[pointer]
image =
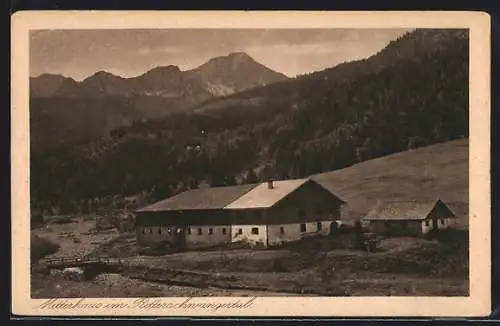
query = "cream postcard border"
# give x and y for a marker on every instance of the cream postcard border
(477, 304)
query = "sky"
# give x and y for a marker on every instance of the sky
(81, 53)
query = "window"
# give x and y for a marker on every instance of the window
(301, 213)
(427, 223)
(143, 230)
(240, 231)
(255, 230)
(302, 227)
(200, 231)
(189, 230)
(150, 230)
(159, 230)
(282, 230)
(210, 231)
(224, 231)
(319, 226)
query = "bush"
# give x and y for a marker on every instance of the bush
(36, 220)
(41, 247)
(450, 236)
(345, 229)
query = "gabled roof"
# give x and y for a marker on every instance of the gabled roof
(405, 210)
(230, 197)
(202, 198)
(263, 197)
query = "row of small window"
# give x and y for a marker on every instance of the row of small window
(428, 222)
(169, 230)
(319, 227)
(160, 231)
(210, 231)
(405, 224)
(302, 228)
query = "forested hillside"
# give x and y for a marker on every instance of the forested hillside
(413, 93)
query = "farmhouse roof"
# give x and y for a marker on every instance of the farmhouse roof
(202, 198)
(262, 197)
(405, 210)
(230, 197)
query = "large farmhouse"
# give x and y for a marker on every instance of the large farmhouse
(265, 214)
(409, 217)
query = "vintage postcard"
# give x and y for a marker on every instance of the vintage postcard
(251, 164)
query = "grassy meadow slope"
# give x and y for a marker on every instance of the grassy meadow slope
(440, 170)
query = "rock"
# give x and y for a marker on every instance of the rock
(74, 274)
(56, 272)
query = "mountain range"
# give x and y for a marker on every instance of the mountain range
(64, 110)
(412, 93)
(219, 76)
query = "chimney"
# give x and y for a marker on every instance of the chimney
(270, 184)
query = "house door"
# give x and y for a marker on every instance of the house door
(434, 223)
(333, 228)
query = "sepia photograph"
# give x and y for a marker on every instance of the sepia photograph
(254, 162)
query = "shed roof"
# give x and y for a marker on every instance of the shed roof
(202, 198)
(262, 197)
(405, 210)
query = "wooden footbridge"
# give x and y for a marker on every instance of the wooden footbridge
(88, 265)
(79, 261)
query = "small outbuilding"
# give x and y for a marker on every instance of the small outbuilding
(406, 218)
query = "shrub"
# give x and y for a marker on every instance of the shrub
(36, 220)
(41, 247)
(345, 229)
(450, 236)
